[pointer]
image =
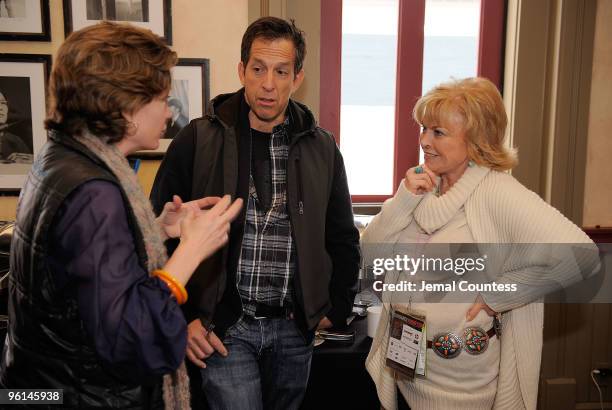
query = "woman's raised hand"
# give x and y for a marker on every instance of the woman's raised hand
(204, 232)
(174, 212)
(420, 180)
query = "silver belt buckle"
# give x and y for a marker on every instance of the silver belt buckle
(447, 345)
(476, 340)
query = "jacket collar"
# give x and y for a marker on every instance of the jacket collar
(70, 142)
(225, 108)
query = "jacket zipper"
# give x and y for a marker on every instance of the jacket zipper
(298, 171)
(299, 298)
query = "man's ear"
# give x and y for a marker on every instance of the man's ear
(241, 72)
(297, 80)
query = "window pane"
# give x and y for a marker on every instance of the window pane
(367, 111)
(451, 41)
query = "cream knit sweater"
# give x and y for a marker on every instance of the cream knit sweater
(498, 210)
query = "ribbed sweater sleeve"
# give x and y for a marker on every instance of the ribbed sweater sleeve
(546, 251)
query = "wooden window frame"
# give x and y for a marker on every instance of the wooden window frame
(409, 73)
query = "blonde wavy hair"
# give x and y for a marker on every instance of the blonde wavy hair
(480, 105)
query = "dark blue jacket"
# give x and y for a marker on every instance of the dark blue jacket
(68, 281)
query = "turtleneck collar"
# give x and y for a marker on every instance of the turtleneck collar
(434, 211)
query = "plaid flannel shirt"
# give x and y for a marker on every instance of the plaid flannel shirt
(267, 257)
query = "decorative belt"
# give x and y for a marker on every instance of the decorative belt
(475, 341)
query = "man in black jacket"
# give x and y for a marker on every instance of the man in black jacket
(293, 254)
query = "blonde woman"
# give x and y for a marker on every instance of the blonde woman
(461, 194)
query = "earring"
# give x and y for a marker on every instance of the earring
(471, 163)
(132, 128)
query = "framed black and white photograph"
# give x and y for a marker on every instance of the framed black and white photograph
(25, 20)
(23, 79)
(152, 14)
(188, 98)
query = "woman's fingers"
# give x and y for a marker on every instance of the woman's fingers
(177, 202)
(420, 179)
(169, 207)
(424, 182)
(479, 305)
(473, 311)
(207, 202)
(188, 214)
(432, 176)
(232, 212)
(210, 229)
(225, 208)
(221, 206)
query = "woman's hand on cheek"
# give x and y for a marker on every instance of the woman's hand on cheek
(419, 180)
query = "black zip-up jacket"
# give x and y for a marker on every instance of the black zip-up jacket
(210, 157)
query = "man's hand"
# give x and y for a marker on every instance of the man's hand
(201, 343)
(175, 211)
(324, 323)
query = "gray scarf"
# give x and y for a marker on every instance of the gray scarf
(176, 385)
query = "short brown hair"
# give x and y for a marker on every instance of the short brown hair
(273, 28)
(102, 71)
(480, 105)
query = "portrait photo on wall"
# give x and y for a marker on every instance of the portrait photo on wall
(188, 98)
(152, 14)
(22, 112)
(24, 20)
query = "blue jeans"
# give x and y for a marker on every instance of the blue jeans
(267, 367)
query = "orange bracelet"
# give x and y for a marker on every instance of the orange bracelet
(175, 291)
(178, 290)
(178, 293)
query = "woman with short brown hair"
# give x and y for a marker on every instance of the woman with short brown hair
(94, 299)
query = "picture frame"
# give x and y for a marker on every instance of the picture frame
(188, 99)
(23, 84)
(155, 15)
(25, 20)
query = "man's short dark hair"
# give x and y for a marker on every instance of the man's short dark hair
(173, 102)
(273, 28)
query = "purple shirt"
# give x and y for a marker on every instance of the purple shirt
(131, 317)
